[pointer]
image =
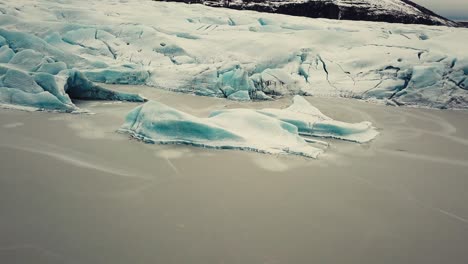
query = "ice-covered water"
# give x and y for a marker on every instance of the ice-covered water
(74, 191)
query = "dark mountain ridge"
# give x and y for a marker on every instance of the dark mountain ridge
(392, 11)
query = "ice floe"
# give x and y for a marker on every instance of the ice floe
(274, 131)
(311, 122)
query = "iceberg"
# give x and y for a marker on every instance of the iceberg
(265, 131)
(242, 129)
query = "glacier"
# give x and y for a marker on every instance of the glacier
(272, 131)
(238, 55)
(44, 91)
(37, 76)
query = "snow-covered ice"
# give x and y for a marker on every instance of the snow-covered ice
(274, 131)
(52, 92)
(240, 55)
(311, 122)
(37, 75)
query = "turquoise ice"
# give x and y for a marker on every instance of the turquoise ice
(274, 131)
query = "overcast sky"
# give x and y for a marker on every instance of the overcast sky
(455, 9)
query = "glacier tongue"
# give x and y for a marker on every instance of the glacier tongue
(33, 75)
(227, 53)
(53, 92)
(271, 131)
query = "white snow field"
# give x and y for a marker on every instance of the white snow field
(273, 131)
(240, 55)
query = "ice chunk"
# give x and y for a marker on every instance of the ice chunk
(235, 80)
(21, 80)
(79, 87)
(41, 100)
(240, 96)
(205, 83)
(54, 85)
(53, 67)
(6, 54)
(266, 131)
(275, 81)
(259, 95)
(22, 41)
(53, 92)
(301, 105)
(311, 122)
(427, 75)
(3, 42)
(242, 129)
(38, 91)
(229, 81)
(424, 87)
(386, 89)
(28, 60)
(360, 132)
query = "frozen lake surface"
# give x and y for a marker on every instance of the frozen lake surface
(74, 191)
